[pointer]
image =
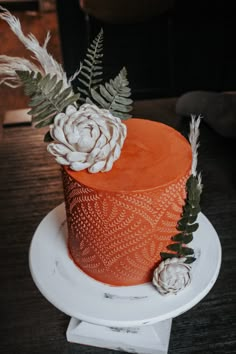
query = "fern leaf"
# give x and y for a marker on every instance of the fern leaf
(60, 97)
(35, 101)
(57, 89)
(100, 101)
(45, 122)
(89, 101)
(82, 98)
(86, 76)
(46, 113)
(52, 83)
(114, 96)
(68, 101)
(38, 109)
(91, 68)
(47, 96)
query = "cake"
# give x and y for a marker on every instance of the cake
(120, 221)
(131, 187)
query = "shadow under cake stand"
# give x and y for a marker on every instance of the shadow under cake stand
(135, 319)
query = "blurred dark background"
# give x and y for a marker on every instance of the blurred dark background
(169, 47)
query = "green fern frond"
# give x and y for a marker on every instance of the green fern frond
(47, 98)
(114, 96)
(187, 223)
(90, 75)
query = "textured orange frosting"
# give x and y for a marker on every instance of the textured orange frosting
(120, 221)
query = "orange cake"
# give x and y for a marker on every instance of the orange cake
(132, 190)
(119, 221)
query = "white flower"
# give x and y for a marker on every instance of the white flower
(172, 275)
(87, 138)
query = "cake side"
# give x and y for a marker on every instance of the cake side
(117, 237)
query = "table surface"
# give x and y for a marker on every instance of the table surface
(30, 186)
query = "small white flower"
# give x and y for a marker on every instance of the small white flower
(87, 138)
(172, 275)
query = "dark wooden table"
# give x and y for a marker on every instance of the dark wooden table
(31, 186)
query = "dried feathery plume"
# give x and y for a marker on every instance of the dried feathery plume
(74, 76)
(199, 184)
(8, 67)
(48, 64)
(193, 138)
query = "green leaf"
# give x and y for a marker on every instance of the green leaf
(47, 96)
(190, 260)
(100, 101)
(192, 219)
(187, 225)
(43, 115)
(124, 101)
(188, 238)
(187, 219)
(181, 237)
(35, 101)
(47, 137)
(61, 96)
(38, 109)
(193, 191)
(45, 122)
(189, 228)
(165, 255)
(183, 221)
(190, 210)
(180, 227)
(68, 101)
(186, 251)
(196, 210)
(83, 92)
(114, 96)
(57, 90)
(176, 247)
(43, 82)
(192, 228)
(178, 237)
(91, 70)
(191, 182)
(52, 83)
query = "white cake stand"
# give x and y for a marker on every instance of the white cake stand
(135, 319)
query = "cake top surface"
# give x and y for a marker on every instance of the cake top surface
(153, 155)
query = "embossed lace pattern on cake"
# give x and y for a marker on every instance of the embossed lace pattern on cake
(117, 237)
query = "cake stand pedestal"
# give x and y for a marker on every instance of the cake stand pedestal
(152, 339)
(135, 319)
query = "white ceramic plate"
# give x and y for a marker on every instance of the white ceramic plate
(78, 295)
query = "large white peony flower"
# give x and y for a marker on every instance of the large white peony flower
(88, 138)
(172, 275)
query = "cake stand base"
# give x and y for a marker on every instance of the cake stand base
(150, 339)
(135, 319)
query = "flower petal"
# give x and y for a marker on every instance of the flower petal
(109, 164)
(61, 160)
(117, 152)
(79, 166)
(58, 134)
(75, 156)
(60, 119)
(57, 149)
(72, 137)
(97, 167)
(70, 110)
